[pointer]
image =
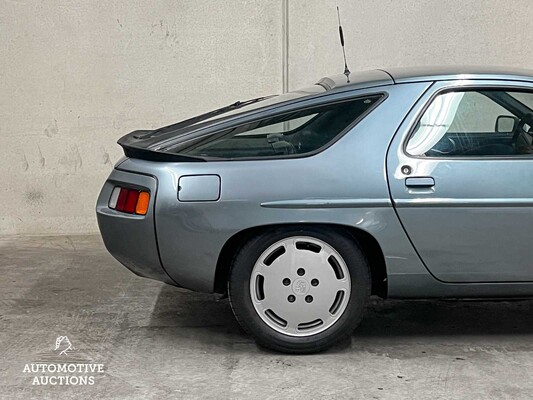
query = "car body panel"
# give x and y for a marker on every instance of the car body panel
(348, 183)
(474, 224)
(191, 235)
(131, 238)
(459, 72)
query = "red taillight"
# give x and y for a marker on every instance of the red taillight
(131, 201)
(127, 200)
(123, 195)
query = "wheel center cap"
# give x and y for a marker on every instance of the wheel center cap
(300, 286)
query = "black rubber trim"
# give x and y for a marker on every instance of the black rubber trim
(150, 155)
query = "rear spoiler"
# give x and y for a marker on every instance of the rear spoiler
(135, 147)
(140, 143)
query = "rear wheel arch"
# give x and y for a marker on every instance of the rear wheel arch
(368, 244)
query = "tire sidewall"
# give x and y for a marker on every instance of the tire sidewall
(241, 300)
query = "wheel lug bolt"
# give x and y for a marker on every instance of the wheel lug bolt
(286, 282)
(300, 271)
(314, 282)
(291, 298)
(308, 299)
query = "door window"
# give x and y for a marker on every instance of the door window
(475, 123)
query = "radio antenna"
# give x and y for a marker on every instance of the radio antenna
(346, 70)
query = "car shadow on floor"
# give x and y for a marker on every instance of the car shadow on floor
(198, 318)
(213, 320)
(447, 317)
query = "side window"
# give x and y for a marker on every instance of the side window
(475, 123)
(297, 132)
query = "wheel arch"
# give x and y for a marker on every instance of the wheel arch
(366, 241)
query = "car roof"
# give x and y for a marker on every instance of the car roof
(390, 76)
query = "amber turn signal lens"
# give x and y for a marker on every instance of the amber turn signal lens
(142, 203)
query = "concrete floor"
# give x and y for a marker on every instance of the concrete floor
(157, 341)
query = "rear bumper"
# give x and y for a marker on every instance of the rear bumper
(131, 239)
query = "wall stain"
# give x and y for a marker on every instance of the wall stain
(106, 158)
(155, 25)
(51, 129)
(79, 161)
(171, 37)
(25, 164)
(34, 196)
(42, 160)
(56, 179)
(72, 159)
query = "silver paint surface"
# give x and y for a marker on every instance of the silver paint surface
(474, 224)
(470, 232)
(199, 188)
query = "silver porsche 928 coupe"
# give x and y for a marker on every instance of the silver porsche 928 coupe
(405, 183)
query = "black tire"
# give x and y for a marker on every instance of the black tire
(251, 322)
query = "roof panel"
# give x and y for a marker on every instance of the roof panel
(439, 73)
(378, 77)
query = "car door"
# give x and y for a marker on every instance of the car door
(460, 172)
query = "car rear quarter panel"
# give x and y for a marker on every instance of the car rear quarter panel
(345, 184)
(131, 238)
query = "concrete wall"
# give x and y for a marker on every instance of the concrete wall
(381, 33)
(76, 75)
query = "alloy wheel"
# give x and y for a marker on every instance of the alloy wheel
(300, 286)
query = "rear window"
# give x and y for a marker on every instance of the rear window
(294, 133)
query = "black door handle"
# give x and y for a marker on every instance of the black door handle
(420, 182)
